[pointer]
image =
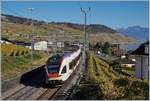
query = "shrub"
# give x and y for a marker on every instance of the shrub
(123, 82)
(139, 88)
(89, 91)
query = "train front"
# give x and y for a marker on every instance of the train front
(52, 70)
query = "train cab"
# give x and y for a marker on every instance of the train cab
(52, 68)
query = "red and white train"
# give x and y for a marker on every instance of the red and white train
(60, 67)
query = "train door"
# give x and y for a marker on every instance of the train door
(65, 72)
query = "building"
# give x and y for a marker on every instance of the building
(60, 44)
(142, 61)
(6, 41)
(118, 51)
(42, 45)
(127, 63)
(50, 44)
(21, 43)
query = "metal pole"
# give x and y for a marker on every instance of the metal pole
(85, 42)
(32, 36)
(85, 32)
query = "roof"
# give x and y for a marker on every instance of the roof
(22, 43)
(141, 49)
(5, 39)
(41, 42)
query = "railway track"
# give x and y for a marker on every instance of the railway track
(32, 93)
(48, 94)
(13, 92)
(40, 93)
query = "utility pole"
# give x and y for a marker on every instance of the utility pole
(85, 41)
(32, 35)
(56, 48)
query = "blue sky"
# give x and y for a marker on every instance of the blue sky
(115, 14)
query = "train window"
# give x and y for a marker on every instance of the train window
(64, 70)
(53, 70)
(54, 60)
(70, 65)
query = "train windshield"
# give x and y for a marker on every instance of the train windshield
(54, 64)
(53, 68)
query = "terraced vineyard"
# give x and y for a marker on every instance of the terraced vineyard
(110, 84)
(114, 85)
(13, 50)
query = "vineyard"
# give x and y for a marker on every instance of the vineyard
(113, 85)
(107, 84)
(13, 50)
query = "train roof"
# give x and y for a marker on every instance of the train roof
(73, 48)
(55, 59)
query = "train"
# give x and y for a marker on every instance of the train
(59, 67)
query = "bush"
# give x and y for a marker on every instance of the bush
(88, 91)
(139, 88)
(123, 82)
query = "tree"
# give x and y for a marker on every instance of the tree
(98, 45)
(106, 48)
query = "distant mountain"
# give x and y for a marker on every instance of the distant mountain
(20, 20)
(136, 32)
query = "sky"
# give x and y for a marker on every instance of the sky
(115, 14)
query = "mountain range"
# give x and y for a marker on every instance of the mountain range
(137, 32)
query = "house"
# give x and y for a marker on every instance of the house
(28, 45)
(142, 61)
(60, 44)
(6, 41)
(42, 45)
(50, 44)
(118, 51)
(21, 43)
(123, 56)
(127, 63)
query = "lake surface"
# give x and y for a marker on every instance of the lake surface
(128, 47)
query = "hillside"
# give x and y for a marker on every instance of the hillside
(92, 28)
(18, 28)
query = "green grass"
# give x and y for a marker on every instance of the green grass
(14, 65)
